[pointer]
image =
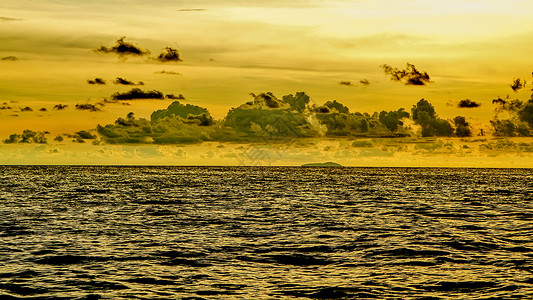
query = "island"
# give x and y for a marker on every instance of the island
(325, 164)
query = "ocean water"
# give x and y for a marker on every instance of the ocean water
(265, 233)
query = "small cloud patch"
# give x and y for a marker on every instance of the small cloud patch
(123, 48)
(169, 55)
(467, 103)
(10, 58)
(137, 93)
(98, 81)
(123, 81)
(87, 106)
(410, 75)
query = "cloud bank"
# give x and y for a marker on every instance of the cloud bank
(267, 118)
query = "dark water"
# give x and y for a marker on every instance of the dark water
(265, 233)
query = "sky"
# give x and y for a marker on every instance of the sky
(229, 49)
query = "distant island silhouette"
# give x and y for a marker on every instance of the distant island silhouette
(325, 164)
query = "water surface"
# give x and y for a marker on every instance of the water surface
(265, 233)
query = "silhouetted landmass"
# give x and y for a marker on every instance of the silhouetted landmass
(123, 48)
(410, 75)
(467, 103)
(27, 108)
(325, 164)
(137, 93)
(347, 83)
(364, 82)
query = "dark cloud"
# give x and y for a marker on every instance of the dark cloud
(43, 109)
(27, 108)
(170, 55)
(96, 81)
(192, 9)
(10, 58)
(123, 81)
(168, 72)
(348, 83)
(27, 136)
(517, 85)
(123, 48)
(410, 75)
(5, 106)
(58, 138)
(60, 106)
(87, 106)
(467, 103)
(174, 97)
(8, 19)
(137, 93)
(364, 82)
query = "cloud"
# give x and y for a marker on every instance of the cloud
(410, 75)
(8, 19)
(123, 81)
(27, 136)
(5, 106)
(81, 136)
(137, 93)
(508, 105)
(43, 109)
(347, 83)
(168, 72)
(27, 108)
(272, 120)
(123, 48)
(192, 9)
(174, 97)
(467, 103)
(171, 55)
(517, 85)
(87, 106)
(96, 81)
(10, 58)
(364, 82)
(60, 106)
(424, 114)
(175, 125)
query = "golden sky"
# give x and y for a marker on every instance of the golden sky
(471, 49)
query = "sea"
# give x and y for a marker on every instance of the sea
(110, 232)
